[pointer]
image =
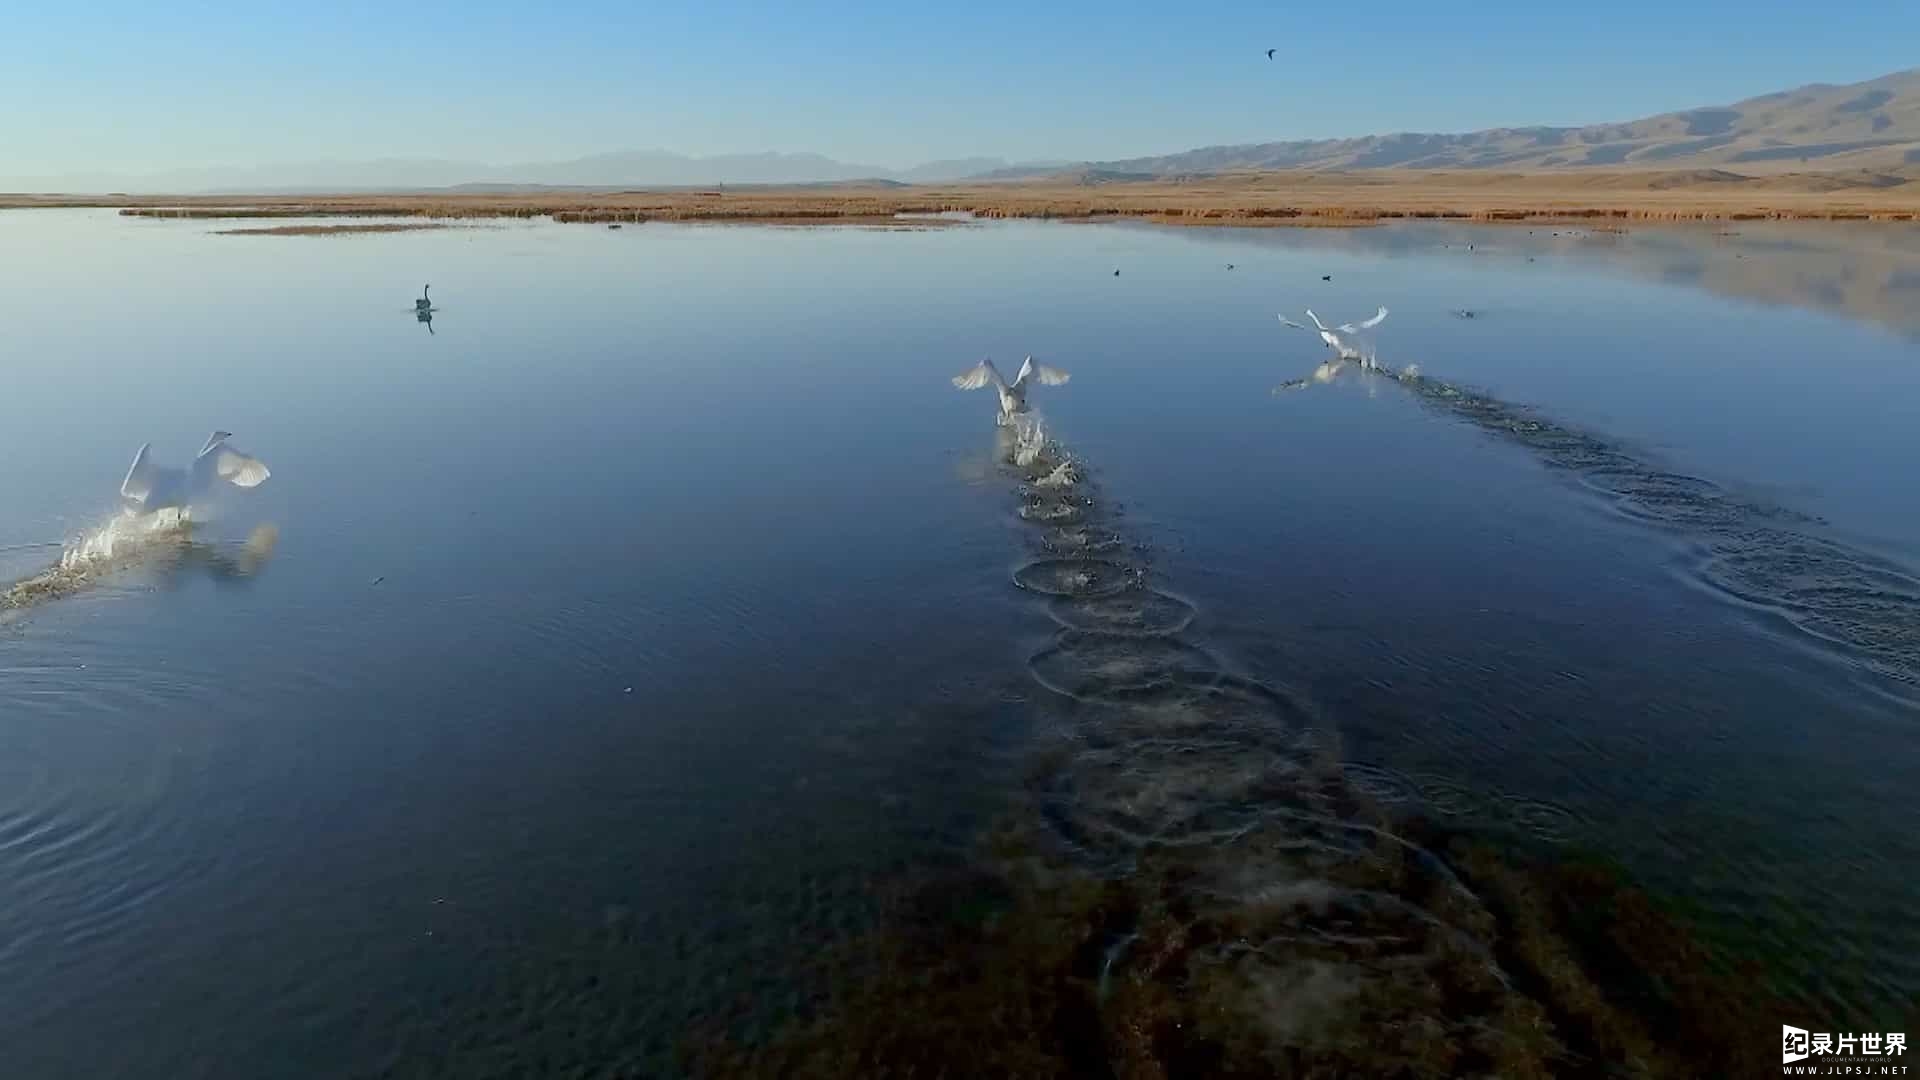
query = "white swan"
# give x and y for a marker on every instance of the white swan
(152, 488)
(1013, 396)
(1341, 338)
(423, 305)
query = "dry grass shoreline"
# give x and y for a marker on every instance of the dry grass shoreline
(1255, 199)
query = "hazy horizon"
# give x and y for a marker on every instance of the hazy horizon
(115, 91)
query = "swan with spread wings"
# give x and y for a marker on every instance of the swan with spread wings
(1013, 395)
(151, 488)
(1343, 339)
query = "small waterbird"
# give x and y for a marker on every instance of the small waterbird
(423, 304)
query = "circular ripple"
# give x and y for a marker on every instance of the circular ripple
(1137, 612)
(1382, 785)
(1076, 540)
(1450, 798)
(1546, 821)
(1053, 511)
(1073, 577)
(1203, 706)
(1104, 667)
(1169, 792)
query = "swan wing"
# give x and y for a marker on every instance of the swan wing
(1378, 318)
(238, 469)
(1290, 322)
(978, 376)
(1048, 376)
(139, 482)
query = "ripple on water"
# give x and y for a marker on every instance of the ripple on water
(1401, 793)
(1075, 540)
(1760, 554)
(1390, 789)
(1105, 667)
(1138, 612)
(1840, 596)
(1074, 577)
(1051, 510)
(1449, 798)
(1542, 820)
(1205, 706)
(79, 873)
(1173, 792)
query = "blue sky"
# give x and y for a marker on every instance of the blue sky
(113, 85)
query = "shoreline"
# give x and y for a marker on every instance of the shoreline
(1296, 200)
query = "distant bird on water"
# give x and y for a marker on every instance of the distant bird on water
(1013, 396)
(1270, 54)
(1116, 273)
(423, 304)
(1326, 277)
(149, 487)
(1340, 338)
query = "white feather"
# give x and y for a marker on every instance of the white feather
(238, 469)
(139, 482)
(978, 376)
(1048, 376)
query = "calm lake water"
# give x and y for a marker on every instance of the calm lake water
(594, 649)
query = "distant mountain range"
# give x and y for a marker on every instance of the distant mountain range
(1872, 125)
(631, 168)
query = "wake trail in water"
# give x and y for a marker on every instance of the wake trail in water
(1227, 797)
(127, 542)
(120, 544)
(1859, 606)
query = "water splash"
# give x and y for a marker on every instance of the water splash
(123, 537)
(162, 541)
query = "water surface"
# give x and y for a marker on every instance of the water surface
(620, 629)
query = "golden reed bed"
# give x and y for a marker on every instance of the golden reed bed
(1284, 199)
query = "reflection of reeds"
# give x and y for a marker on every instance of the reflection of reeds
(331, 230)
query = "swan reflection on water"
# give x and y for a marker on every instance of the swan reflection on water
(1330, 371)
(226, 563)
(423, 308)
